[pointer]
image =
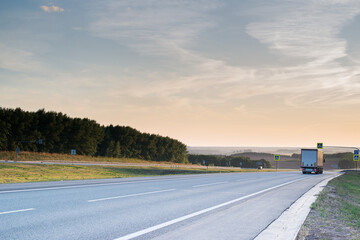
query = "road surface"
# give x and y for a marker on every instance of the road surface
(211, 206)
(114, 164)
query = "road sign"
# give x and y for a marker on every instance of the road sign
(40, 141)
(17, 150)
(276, 157)
(356, 157)
(320, 145)
(73, 151)
(356, 151)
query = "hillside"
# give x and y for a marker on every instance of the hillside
(293, 161)
(271, 150)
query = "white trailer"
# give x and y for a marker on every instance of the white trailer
(312, 160)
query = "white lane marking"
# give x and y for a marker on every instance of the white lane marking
(165, 224)
(209, 184)
(130, 195)
(15, 211)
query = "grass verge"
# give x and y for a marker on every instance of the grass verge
(336, 212)
(36, 156)
(16, 172)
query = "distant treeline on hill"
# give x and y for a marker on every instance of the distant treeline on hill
(61, 133)
(231, 161)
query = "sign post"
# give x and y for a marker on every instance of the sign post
(17, 153)
(40, 141)
(356, 158)
(73, 152)
(276, 159)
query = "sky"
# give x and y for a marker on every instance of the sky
(205, 72)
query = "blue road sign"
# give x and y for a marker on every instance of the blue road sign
(320, 145)
(73, 152)
(276, 157)
(356, 157)
(356, 151)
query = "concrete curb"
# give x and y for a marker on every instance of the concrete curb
(289, 223)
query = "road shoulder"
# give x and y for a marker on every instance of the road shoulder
(336, 212)
(289, 223)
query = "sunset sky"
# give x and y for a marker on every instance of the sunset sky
(206, 72)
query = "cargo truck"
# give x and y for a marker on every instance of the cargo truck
(312, 160)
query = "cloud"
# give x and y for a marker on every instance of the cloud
(155, 27)
(19, 60)
(305, 35)
(51, 8)
(308, 32)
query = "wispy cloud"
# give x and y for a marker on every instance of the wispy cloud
(305, 30)
(19, 60)
(168, 28)
(154, 27)
(309, 32)
(51, 8)
(306, 34)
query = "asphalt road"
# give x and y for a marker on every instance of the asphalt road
(153, 164)
(212, 206)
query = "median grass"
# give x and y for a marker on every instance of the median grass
(68, 170)
(336, 212)
(38, 156)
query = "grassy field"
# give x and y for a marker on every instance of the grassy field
(336, 212)
(15, 172)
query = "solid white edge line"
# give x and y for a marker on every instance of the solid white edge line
(91, 185)
(130, 195)
(209, 184)
(15, 211)
(54, 188)
(165, 224)
(77, 186)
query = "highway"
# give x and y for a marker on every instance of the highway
(207, 206)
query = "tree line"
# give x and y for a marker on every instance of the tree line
(61, 133)
(228, 161)
(346, 161)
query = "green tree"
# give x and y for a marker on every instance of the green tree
(117, 150)
(110, 149)
(346, 164)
